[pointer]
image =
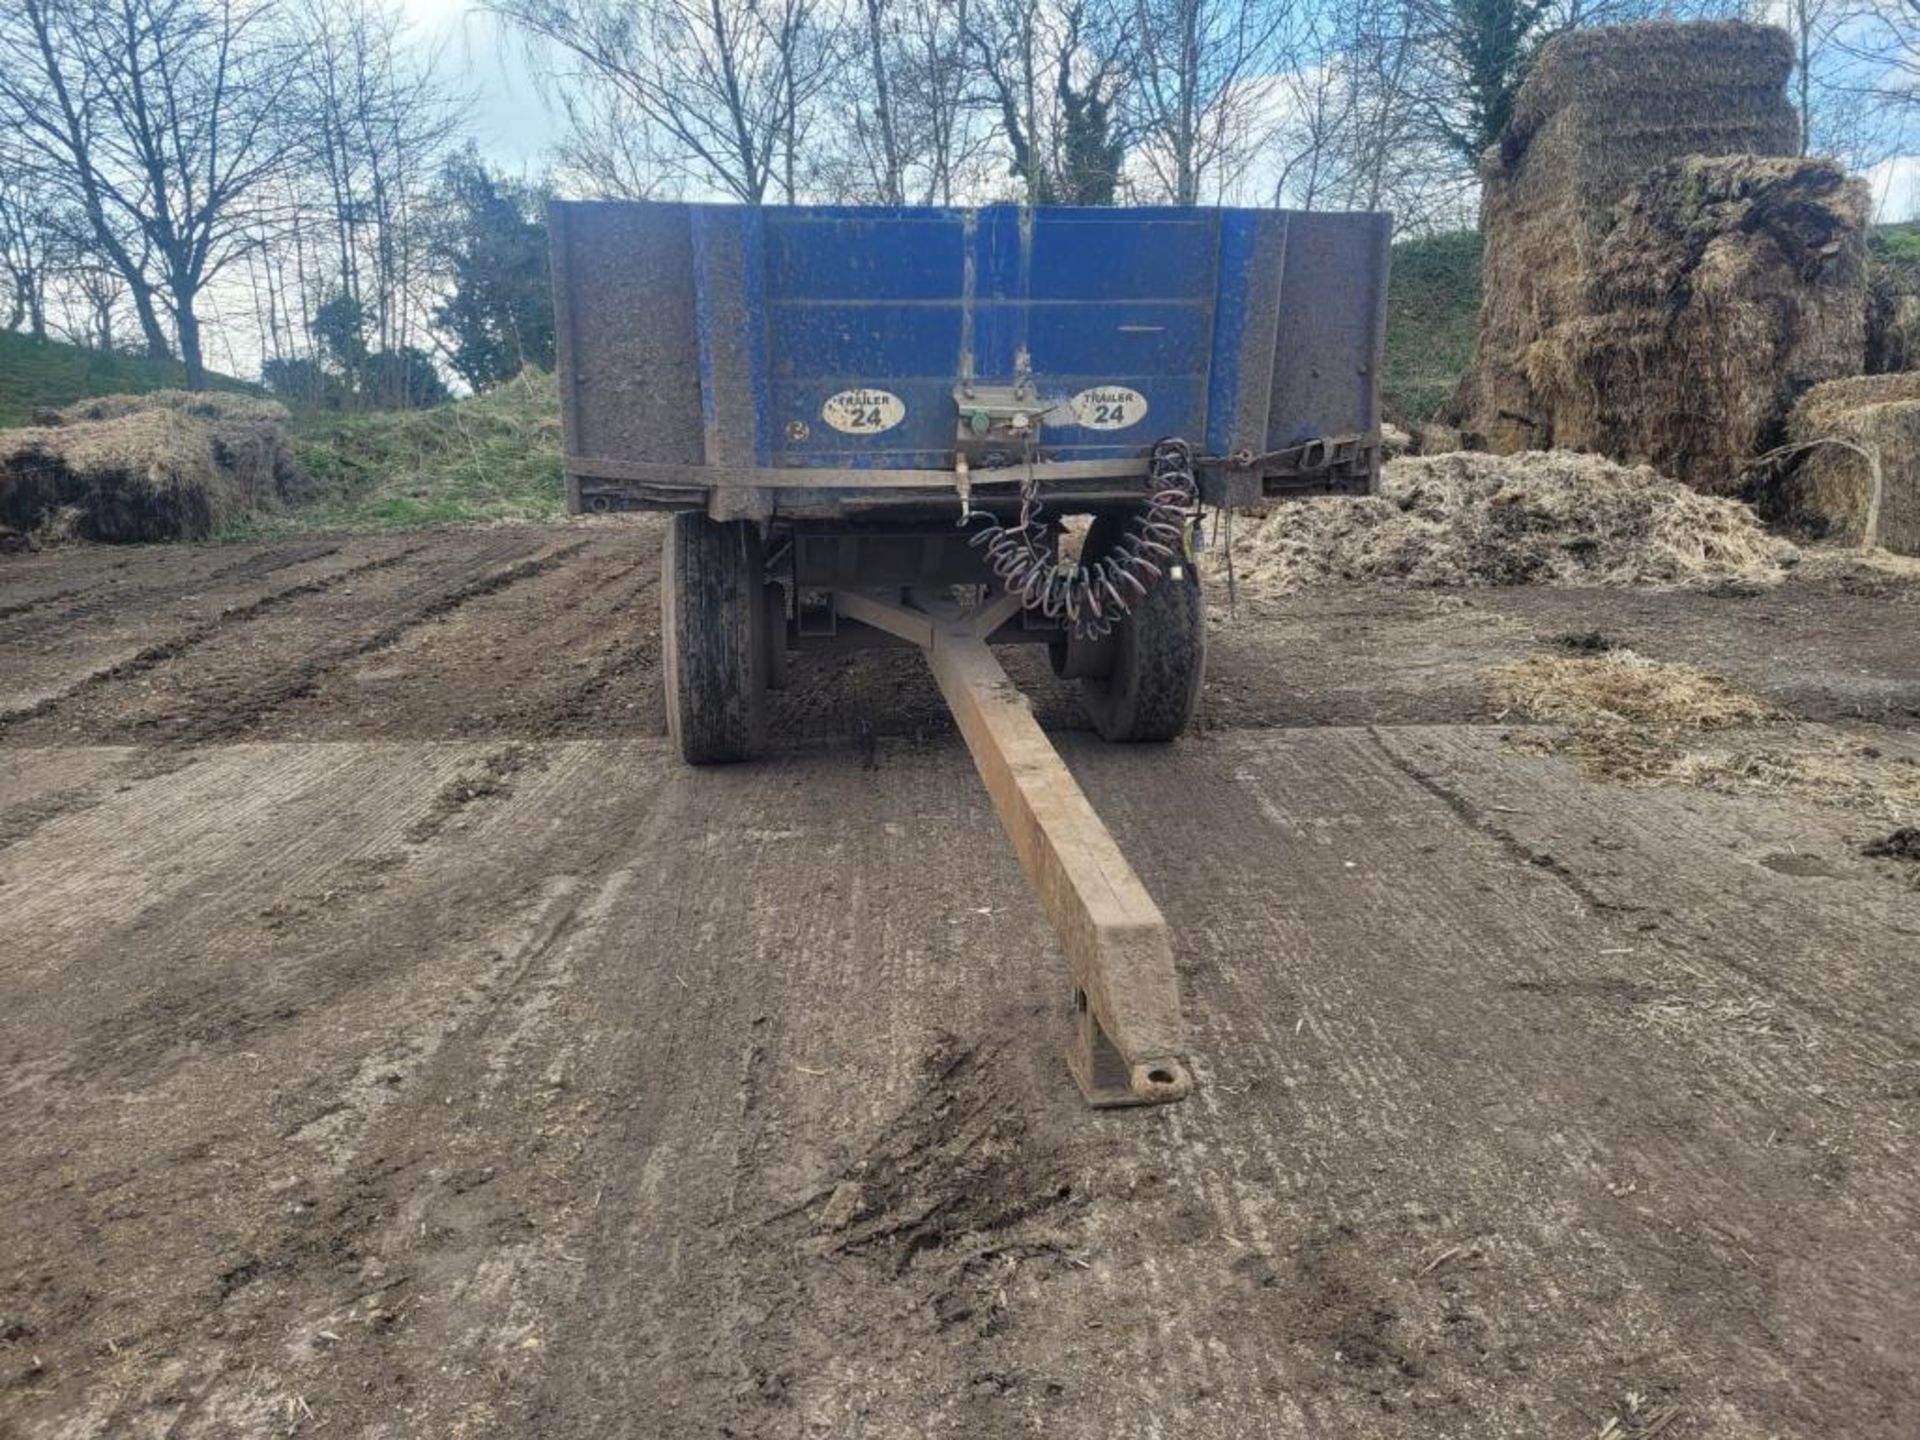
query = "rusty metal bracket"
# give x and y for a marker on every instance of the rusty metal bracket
(1128, 1035)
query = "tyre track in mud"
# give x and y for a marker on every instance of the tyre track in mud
(196, 633)
(223, 678)
(618, 693)
(153, 587)
(570, 651)
(20, 821)
(49, 576)
(391, 1045)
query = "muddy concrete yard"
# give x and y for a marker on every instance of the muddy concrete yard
(399, 1041)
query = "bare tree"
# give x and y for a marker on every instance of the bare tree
(904, 129)
(607, 150)
(1857, 74)
(378, 125)
(31, 244)
(99, 291)
(1352, 127)
(1055, 77)
(53, 105)
(724, 86)
(159, 117)
(1203, 80)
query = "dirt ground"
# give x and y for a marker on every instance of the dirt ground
(398, 1041)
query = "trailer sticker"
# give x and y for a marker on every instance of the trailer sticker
(863, 412)
(1109, 407)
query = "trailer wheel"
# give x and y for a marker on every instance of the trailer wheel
(1159, 654)
(713, 622)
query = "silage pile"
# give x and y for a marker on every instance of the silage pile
(163, 466)
(1471, 519)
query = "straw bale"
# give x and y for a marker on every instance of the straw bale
(1661, 275)
(136, 469)
(1826, 489)
(1893, 313)
(1726, 288)
(1600, 108)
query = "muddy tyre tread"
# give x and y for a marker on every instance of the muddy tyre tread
(1159, 657)
(712, 632)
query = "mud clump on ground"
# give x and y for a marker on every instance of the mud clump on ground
(1556, 518)
(1902, 844)
(492, 781)
(164, 466)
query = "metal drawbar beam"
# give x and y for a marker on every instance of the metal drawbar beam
(1129, 1036)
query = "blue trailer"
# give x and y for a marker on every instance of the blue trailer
(869, 425)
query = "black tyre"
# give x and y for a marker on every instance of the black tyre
(1159, 654)
(713, 619)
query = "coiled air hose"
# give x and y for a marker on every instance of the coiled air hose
(1090, 598)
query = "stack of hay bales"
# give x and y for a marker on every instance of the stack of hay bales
(1651, 289)
(163, 466)
(1726, 287)
(1865, 489)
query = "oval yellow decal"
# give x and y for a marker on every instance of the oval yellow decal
(1109, 407)
(863, 412)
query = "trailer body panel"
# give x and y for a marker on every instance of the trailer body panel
(791, 351)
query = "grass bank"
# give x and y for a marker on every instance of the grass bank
(488, 459)
(45, 373)
(1433, 307)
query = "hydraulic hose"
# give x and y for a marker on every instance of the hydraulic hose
(1090, 598)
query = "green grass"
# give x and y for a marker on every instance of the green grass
(1899, 243)
(492, 458)
(1433, 307)
(45, 372)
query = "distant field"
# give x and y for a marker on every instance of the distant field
(45, 372)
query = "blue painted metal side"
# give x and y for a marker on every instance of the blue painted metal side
(914, 302)
(1243, 329)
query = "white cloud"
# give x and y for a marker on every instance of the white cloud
(474, 54)
(1896, 188)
